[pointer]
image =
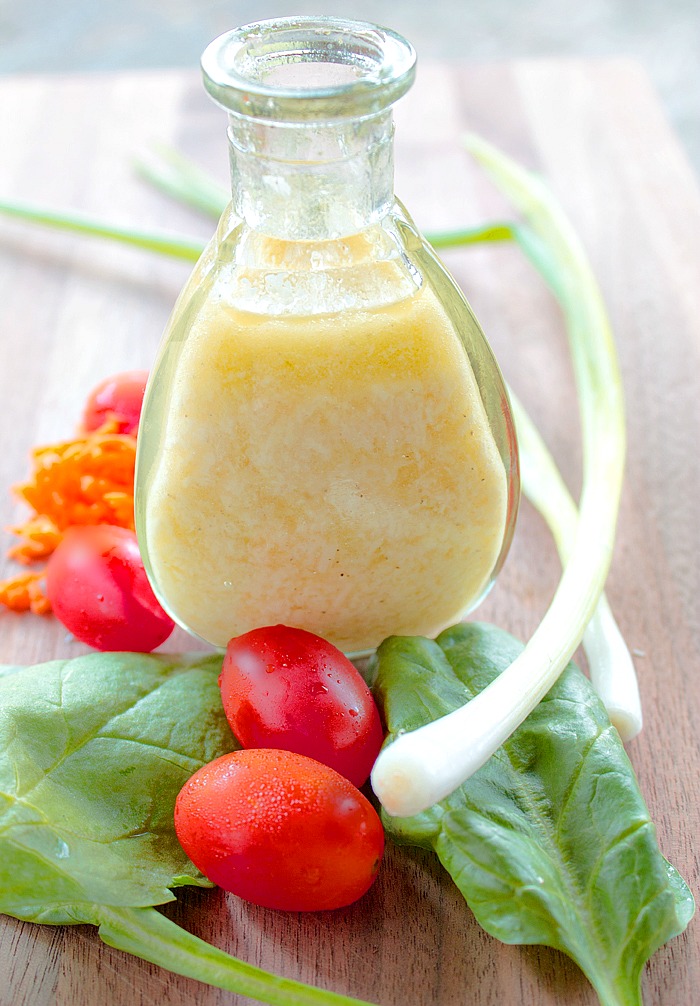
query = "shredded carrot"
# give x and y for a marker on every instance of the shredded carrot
(41, 536)
(25, 593)
(89, 480)
(86, 480)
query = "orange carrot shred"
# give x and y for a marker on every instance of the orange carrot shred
(25, 593)
(41, 536)
(87, 480)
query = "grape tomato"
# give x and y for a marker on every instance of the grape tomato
(280, 830)
(284, 687)
(98, 589)
(117, 398)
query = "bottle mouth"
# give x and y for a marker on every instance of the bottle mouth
(296, 69)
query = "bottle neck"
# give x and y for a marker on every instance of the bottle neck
(312, 181)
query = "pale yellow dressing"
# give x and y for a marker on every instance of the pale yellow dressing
(332, 471)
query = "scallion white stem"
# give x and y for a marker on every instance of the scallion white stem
(423, 767)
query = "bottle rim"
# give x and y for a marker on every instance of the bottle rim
(296, 69)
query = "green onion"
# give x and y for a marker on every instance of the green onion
(424, 766)
(148, 934)
(163, 244)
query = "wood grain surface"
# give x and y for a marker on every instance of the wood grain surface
(74, 310)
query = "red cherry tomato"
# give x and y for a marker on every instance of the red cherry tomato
(287, 688)
(98, 589)
(120, 398)
(280, 830)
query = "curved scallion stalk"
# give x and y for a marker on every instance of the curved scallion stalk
(609, 660)
(424, 766)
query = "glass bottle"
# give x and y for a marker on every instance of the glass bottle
(326, 439)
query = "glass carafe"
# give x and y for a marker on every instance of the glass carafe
(326, 440)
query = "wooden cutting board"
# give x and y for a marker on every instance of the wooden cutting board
(74, 310)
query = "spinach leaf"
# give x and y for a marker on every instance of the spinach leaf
(93, 752)
(550, 842)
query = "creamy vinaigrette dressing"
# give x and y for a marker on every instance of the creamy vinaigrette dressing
(334, 471)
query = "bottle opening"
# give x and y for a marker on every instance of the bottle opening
(308, 68)
(310, 76)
